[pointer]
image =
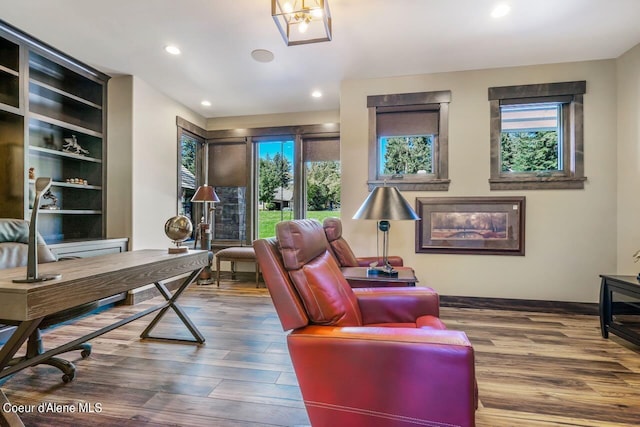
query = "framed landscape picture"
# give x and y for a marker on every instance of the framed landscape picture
(470, 225)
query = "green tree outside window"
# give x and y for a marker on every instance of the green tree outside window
(407, 154)
(529, 151)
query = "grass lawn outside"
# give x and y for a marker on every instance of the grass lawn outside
(269, 219)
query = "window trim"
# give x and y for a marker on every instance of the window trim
(572, 175)
(436, 100)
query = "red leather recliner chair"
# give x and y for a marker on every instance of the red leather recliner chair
(364, 357)
(342, 251)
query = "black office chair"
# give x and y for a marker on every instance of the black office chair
(14, 242)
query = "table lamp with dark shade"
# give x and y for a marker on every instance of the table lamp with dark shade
(383, 204)
(205, 194)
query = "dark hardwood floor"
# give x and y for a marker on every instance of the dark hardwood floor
(533, 369)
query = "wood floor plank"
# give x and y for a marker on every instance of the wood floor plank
(533, 369)
(271, 394)
(229, 409)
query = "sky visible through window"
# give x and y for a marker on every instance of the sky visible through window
(272, 148)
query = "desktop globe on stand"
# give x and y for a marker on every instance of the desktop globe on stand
(178, 229)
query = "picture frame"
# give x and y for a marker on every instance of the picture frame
(471, 225)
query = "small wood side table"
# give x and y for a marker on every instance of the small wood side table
(359, 277)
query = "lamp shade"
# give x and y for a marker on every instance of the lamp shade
(386, 203)
(205, 193)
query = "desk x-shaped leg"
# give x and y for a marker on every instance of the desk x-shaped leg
(171, 303)
(11, 347)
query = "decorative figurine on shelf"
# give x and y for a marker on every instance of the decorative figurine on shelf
(78, 181)
(71, 146)
(49, 142)
(32, 173)
(178, 229)
(54, 201)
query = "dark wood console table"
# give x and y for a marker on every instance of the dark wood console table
(620, 307)
(86, 280)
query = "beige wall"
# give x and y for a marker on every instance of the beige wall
(570, 234)
(142, 161)
(267, 120)
(628, 207)
(119, 157)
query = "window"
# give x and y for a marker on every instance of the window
(321, 157)
(409, 139)
(406, 155)
(228, 175)
(537, 136)
(280, 183)
(190, 143)
(188, 173)
(275, 185)
(531, 138)
(266, 175)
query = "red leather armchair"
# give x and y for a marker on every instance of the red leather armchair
(342, 251)
(364, 357)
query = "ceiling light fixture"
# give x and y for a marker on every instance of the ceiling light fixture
(316, 94)
(205, 103)
(302, 21)
(500, 10)
(173, 50)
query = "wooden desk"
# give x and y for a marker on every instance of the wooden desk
(620, 307)
(359, 277)
(86, 280)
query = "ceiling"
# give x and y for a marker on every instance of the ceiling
(372, 38)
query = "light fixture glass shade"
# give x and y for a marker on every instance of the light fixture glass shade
(386, 203)
(205, 193)
(302, 21)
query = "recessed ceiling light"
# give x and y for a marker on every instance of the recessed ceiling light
(500, 10)
(205, 103)
(262, 55)
(316, 94)
(173, 50)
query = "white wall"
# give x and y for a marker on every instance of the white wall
(146, 149)
(570, 234)
(628, 207)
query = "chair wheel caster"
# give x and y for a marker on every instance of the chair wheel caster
(67, 378)
(85, 353)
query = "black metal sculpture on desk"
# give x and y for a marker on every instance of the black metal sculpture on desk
(41, 186)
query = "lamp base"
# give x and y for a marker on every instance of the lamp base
(382, 271)
(42, 278)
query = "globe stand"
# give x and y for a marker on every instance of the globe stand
(178, 249)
